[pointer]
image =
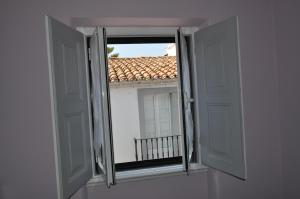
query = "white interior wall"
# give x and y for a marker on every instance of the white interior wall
(26, 149)
(287, 20)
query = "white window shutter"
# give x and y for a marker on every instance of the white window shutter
(219, 92)
(102, 132)
(162, 114)
(174, 113)
(149, 117)
(70, 107)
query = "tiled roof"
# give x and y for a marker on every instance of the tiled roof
(142, 68)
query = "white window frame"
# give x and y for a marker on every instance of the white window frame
(158, 32)
(141, 174)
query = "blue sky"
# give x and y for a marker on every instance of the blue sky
(138, 50)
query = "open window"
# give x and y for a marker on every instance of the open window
(202, 113)
(144, 86)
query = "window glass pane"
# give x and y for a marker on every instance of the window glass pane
(143, 84)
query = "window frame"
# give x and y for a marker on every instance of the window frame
(146, 173)
(149, 173)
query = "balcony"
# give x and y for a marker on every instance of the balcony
(155, 151)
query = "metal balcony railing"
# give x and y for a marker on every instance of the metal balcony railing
(157, 147)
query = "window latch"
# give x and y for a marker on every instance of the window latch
(187, 99)
(190, 100)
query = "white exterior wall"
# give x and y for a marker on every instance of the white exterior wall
(125, 118)
(125, 122)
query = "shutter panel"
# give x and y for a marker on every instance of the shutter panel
(163, 114)
(218, 82)
(70, 105)
(174, 113)
(149, 117)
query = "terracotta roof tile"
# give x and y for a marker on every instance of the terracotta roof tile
(142, 68)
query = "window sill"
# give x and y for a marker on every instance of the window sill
(146, 174)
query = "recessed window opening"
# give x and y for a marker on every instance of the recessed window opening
(143, 86)
(124, 102)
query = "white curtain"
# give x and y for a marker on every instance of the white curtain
(187, 96)
(97, 104)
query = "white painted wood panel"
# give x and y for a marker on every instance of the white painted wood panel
(218, 82)
(72, 109)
